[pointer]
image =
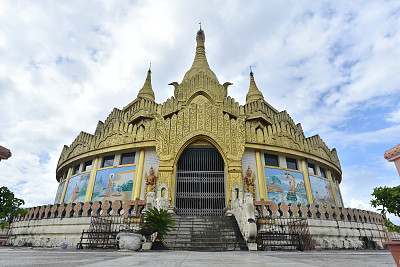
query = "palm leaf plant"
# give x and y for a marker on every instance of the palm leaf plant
(159, 220)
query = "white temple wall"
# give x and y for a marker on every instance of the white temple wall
(345, 235)
(48, 232)
(328, 234)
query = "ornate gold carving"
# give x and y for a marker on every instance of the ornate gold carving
(200, 109)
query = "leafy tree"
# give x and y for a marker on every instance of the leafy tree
(159, 220)
(387, 199)
(9, 206)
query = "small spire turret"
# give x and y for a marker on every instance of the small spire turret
(147, 90)
(254, 93)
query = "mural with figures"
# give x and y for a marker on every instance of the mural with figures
(76, 189)
(322, 191)
(338, 197)
(59, 192)
(285, 186)
(114, 184)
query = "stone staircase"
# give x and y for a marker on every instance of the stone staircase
(206, 233)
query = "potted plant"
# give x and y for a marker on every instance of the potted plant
(387, 199)
(161, 222)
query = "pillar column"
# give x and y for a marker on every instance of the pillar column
(234, 176)
(333, 189)
(139, 175)
(92, 178)
(166, 176)
(307, 181)
(262, 183)
(65, 185)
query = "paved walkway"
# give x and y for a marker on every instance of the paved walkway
(97, 258)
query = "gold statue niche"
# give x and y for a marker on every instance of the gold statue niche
(151, 181)
(249, 182)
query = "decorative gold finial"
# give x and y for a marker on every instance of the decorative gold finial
(254, 93)
(147, 90)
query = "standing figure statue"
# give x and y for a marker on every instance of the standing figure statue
(151, 181)
(249, 180)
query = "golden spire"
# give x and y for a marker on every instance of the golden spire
(200, 60)
(254, 93)
(147, 90)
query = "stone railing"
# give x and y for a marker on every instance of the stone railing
(107, 208)
(318, 212)
(80, 209)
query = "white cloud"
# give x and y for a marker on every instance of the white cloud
(394, 116)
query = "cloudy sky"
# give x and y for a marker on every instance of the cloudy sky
(333, 65)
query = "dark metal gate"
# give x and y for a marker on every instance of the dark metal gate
(200, 187)
(277, 233)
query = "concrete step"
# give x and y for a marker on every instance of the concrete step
(205, 234)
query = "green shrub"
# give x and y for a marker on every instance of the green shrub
(387, 199)
(9, 206)
(159, 220)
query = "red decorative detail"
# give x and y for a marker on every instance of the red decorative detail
(116, 207)
(127, 206)
(394, 248)
(4, 153)
(337, 212)
(30, 214)
(53, 210)
(274, 208)
(61, 209)
(313, 211)
(87, 209)
(322, 212)
(330, 211)
(69, 209)
(304, 210)
(393, 155)
(294, 209)
(47, 211)
(41, 212)
(284, 209)
(106, 207)
(96, 208)
(35, 213)
(78, 209)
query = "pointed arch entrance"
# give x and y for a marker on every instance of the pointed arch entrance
(200, 182)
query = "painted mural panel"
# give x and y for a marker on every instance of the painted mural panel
(285, 186)
(322, 191)
(338, 196)
(114, 184)
(76, 190)
(59, 192)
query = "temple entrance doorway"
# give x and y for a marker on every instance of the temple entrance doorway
(200, 183)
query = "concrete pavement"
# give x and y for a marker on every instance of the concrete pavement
(10, 256)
